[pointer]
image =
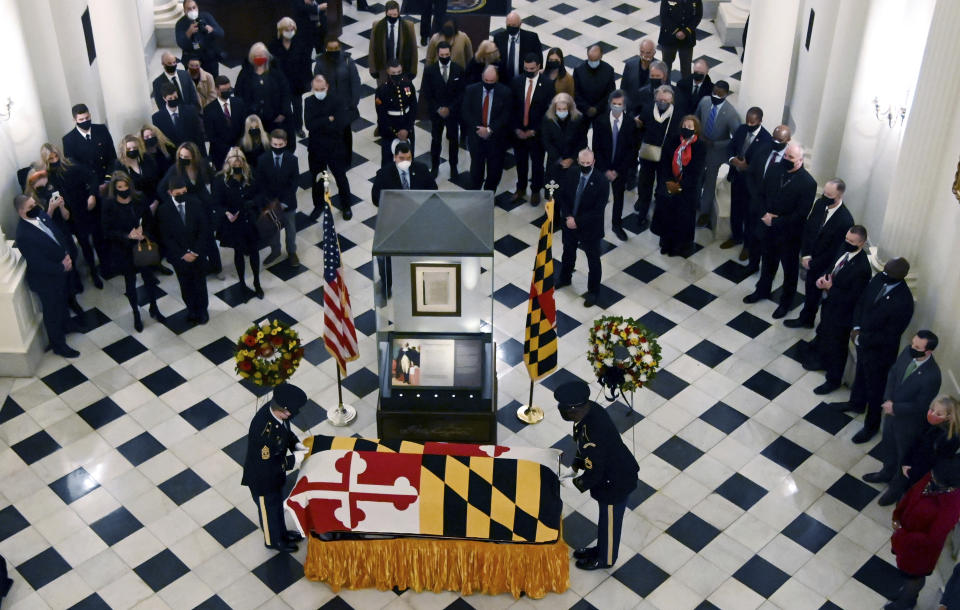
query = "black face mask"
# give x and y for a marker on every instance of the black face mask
(489, 86)
(753, 128)
(392, 20)
(530, 74)
(778, 146)
(553, 65)
(184, 163)
(133, 154)
(396, 77)
(827, 201)
(698, 77)
(123, 193)
(655, 82)
(448, 31)
(686, 133)
(85, 125)
(787, 164)
(54, 165)
(237, 171)
(174, 102)
(151, 142)
(226, 93)
(34, 212)
(586, 169)
(277, 150)
(848, 247)
(916, 354)
(888, 279)
(170, 69)
(716, 99)
(512, 30)
(333, 54)
(255, 132)
(444, 61)
(662, 106)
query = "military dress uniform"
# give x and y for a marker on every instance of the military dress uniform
(270, 444)
(396, 103)
(607, 468)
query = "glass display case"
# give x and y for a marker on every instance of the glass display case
(433, 295)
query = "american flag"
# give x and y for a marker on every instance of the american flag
(339, 334)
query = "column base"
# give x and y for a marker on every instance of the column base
(22, 339)
(710, 8)
(730, 22)
(23, 363)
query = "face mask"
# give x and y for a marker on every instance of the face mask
(194, 73)
(288, 34)
(320, 94)
(778, 146)
(184, 162)
(916, 354)
(393, 20)
(662, 106)
(150, 142)
(396, 77)
(33, 212)
(170, 69)
(54, 165)
(123, 193)
(716, 99)
(259, 61)
(192, 15)
(513, 29)
(553, 65)
(133, 154)
(827, 201)
(237, 171)
(529, 74)
(686, 133)
(934, 419)
(448, 31)
(176, 199)
(277, 150)
(848, 247)
(888, 279)
(562, 114)
(226, 93)
(585, 169)
(754, 128)
(787, 164)
(333, 54)
(174, 102)
(85, 125)
(444, 61)
(403, 165)
(616, 109)
(254, 132)
(489, 86)
(698, 77)
(594, 63)
(655, 82)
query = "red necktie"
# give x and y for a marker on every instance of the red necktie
(226, 110)
(486, 108)
(526, 102)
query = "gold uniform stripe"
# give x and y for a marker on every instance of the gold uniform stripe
(264, 521)
(609, 534)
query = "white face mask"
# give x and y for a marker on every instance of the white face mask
(616, 108)
(192, 15)
(403, 165)
(320, 94)
(288, 34)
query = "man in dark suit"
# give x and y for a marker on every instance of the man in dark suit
(644, 98)
(277, 176)
(272, 449)
(879, 319)
(338, 67)
(186, 90)
(183, 225)
(691, 89)
(912, 384)
(823, 234)
(636, 70)
(719, 120)
(396, 104)
(839, 288)
(442, 87)
(531, 93)
(515, 45)
(90, 144)
(404, 173)
(786, 199)
(615, 154)
(593, 82)
(767, 157)
(44, 248)
(392, 38)
(223, 121)
(749, 138)
(486, 116)
(582, 197)
(180, 122)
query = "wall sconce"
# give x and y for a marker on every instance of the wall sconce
(889, 113)
(5, 116)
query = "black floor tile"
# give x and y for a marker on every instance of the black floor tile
(693, 532)
(809, 533)
(623, 416)
(508, 245)
(608, 297)
(667, 384)
(723, 417)
(233, 295)
(640, 575)
(178, 323)
(124, 349)
(183, 486)
(9, 410)
(362, 382)
(639, 495)
(677, 452)
(644, 271)
(11, 522)
(558, 378)
(279, 572)
(336, 603)
(578, 531)
(596, 21)
(793, 352)
(631, 34)
(566, 34)
(705, 605)
(655, 323)
(283, 269)
(761, 576)
(44, 568)
(796, 302)
(625, 8)
(256, 390)
(230, 527)
(566, 323)
(316, 295)
(309, 416)
(767, 385)
(505, 201)
(827, 418)
(116, 526)
(90, 320)
(35, 447)
(218, 351)
(74, 485)
(748, 324)
(161, 570)
(141, 448)
(163, 380)
(786, 453)
(567, 447)
(100, 413)
(852, 492)
(694, 296)
(708, 353)
(510, 296)
(64, 379)
(91, 602)
(741, 491)
(733, 271)
(203, 414)
(366, 322)
(237, 450)
(829, 605)
(316, 352)
(880, 576)
(213, 603)
(507, 415)
(510, 351)
(278, 314)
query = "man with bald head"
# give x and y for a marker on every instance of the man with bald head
(636, 70)
(593, 82)
(186, 90)
(514, 44)
(766, 157)
(786, 195)
(486, 117)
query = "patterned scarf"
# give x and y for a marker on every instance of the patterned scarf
(681, 156)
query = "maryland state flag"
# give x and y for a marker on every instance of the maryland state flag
(540, 339)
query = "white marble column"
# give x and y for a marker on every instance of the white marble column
(123, 74)
(769, 54)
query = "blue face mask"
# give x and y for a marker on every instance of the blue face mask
(594, 63)
(562, 114)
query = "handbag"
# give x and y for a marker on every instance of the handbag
(650, 152)
(146, 253)
(268, 227)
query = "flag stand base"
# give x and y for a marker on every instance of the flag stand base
(530, 414)
(341, 415)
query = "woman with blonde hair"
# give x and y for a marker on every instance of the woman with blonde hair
(234, 196)
(255, 140)
(127, 224)
(156, 144)
(133, 159)
(564, 134)
(487, 54)
(266, 90)
(291, 53)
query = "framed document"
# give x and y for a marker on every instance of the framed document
(435, 289)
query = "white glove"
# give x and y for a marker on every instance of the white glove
(300, 447)
(567, 472)
(568, 483)
(298, 457)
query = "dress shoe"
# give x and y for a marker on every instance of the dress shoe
(744, 254)
(798, 323)
(844, 407)
(891, 496)
(274, 255)
(535, 198)
(685, 251)
(518, 195)
(561, 283)
(66, 351)
(283, 547)
(703, 220)
(137, 322)
(749, 270)
(203, 318)
(293, 260)
(825, 388)
(257, 290)
(292, 536)
(643, 225)
(164, 270)
(877, 477)
(812, 364)
(780, 312)
(589, 299)
(754, 297)
(155, 313)
(729, 244)
(315, 214)
(301, 133)
(5, 587)
(96, 280)
(863, 436)
(620, 233)
(591, 563)
(75, 306)
(347, 214)
(585, 552)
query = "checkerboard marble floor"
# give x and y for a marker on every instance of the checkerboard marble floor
(121, 469)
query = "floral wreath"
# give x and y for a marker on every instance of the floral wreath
(625, 355)
(268, 353)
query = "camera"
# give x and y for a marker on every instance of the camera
(201, 24)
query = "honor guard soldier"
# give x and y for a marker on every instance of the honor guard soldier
(606, 466)
(396, 103)
(270, 444)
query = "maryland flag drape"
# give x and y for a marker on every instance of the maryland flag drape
(540, 338)
(456, 490)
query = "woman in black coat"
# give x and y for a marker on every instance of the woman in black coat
(127, 224)
(234, 199)
(940, 440)
(678, 189)
(158, 147)
(133, 160)
(291, 53)
(678, 32)
(564, 135)
(325, 115)
(264, 87)
(195, 171)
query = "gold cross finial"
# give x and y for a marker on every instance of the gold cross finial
(552, 186)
